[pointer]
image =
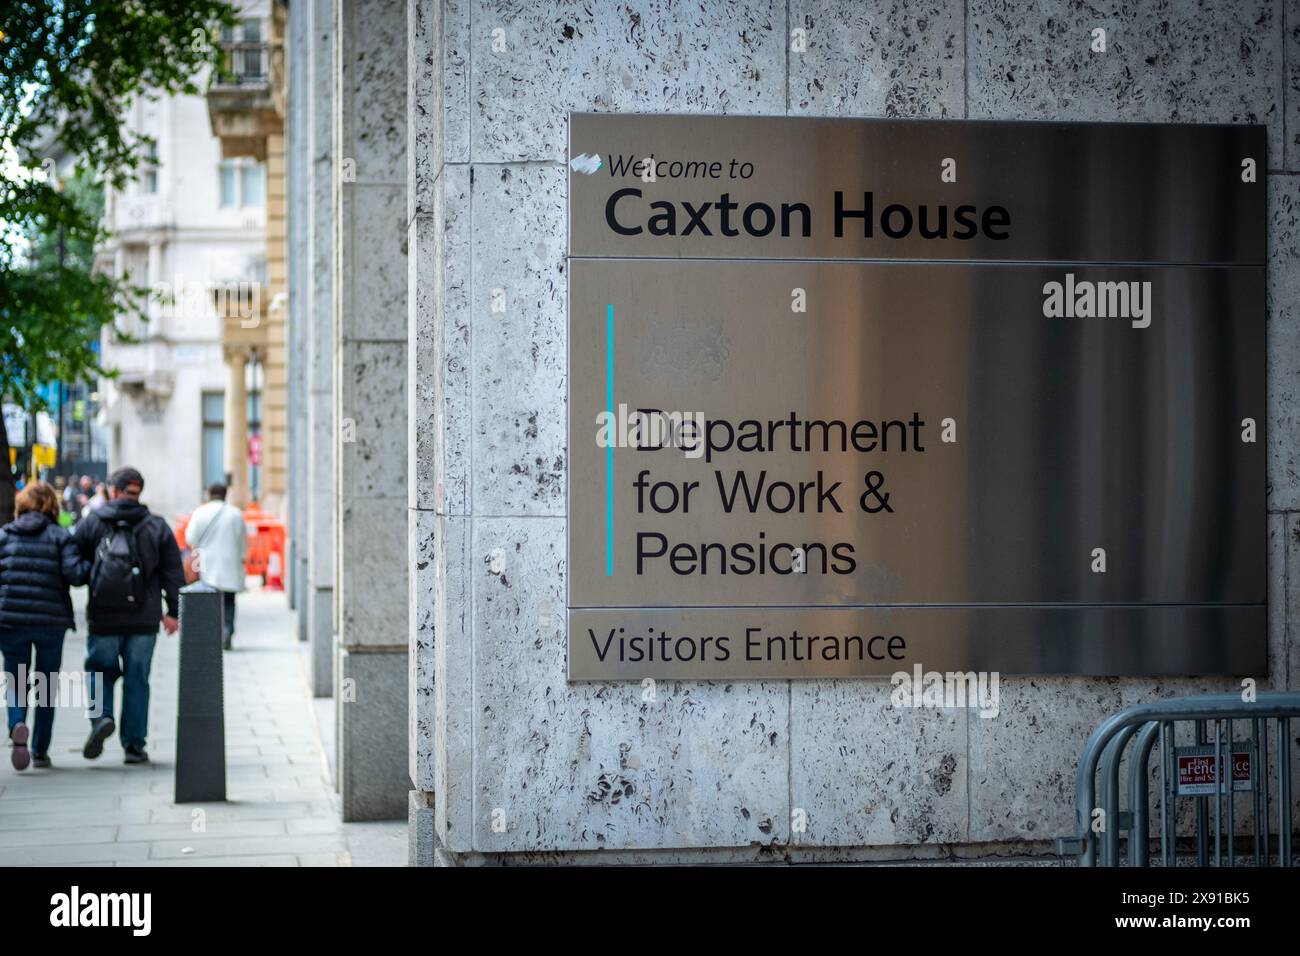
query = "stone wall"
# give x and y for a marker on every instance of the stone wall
(316, 310)
(297, 55)
(347, 240)
(370, 197)
(506, 757)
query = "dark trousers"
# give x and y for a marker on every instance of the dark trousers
(110, 656)
(228, 618)
(18, 647)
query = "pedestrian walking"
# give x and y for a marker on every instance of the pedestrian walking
(39, 561)
(70, 493)
(99, 498)
(219, 539)
(134, 561)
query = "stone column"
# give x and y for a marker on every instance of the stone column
(321, 433)
(493, 707)
(370, 348)
(236, 427)
(297, 52)
(438, 498)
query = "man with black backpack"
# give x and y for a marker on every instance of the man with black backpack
(134, 559)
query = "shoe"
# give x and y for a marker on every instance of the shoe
(101, 729)
(136, 755)
(227, 641)
(20, 756)
(41, 761)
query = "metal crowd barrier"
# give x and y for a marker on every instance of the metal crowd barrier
(1195, 770)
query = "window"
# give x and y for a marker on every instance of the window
(252, 184)
(149, 170)
(243, 183)
(214, 451)
(248, 31)
(245, 52)
(135, 270)
(229, 187)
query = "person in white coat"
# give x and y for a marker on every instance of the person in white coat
(217, 536)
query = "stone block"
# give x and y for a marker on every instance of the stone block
(373, 588)
(456, 43)
(320, 508)
(439, 333)
(867, 773)
(457, 320)
(373, 781)
(372, 88)
(894, 59)
(1291, 93)
(1024, 761)
(424, 104)
(426, 320)
(374, 260)
(519, 340)
(453, 731)
(531, 64)
(372, 428)
(423, 597)
(320, 636)
(1168, 62)
(1279, 609)
(1291, 601)
(419, 831)
(562, 766)
(1284, 343)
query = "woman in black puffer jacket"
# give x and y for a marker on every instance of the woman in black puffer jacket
(38, 563)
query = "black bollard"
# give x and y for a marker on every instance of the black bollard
(200, 718)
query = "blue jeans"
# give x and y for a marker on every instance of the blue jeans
(228, 620)
(18, 647)
(110, 656)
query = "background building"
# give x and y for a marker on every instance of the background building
(246, 109)
(191, 227)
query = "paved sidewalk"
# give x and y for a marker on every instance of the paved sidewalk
(281, 808)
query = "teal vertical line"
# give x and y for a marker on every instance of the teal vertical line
(609, 445)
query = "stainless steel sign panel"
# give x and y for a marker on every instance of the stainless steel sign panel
(1066, 435)
(984, 396)
(765, 188)
(757, 643)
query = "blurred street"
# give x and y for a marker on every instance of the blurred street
(281, 810)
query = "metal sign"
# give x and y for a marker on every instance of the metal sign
(1198, 770)
(1015, 436)
(812, 188)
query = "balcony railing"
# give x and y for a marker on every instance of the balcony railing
(247, 64)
